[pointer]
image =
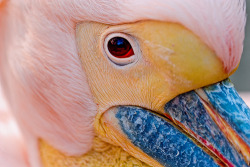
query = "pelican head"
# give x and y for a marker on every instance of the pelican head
(148, 78)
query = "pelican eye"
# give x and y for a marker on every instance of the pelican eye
(121, 49)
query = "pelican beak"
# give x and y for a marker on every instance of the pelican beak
(206, 127)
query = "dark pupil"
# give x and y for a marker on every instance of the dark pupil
(119, 47)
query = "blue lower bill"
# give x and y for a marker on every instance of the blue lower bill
(165, 142)
(161, 140)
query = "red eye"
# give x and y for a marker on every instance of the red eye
(120, 47)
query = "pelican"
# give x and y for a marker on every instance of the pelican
(122, 83)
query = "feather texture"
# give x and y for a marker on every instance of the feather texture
(41, 71)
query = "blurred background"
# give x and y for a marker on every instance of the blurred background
(241, 78)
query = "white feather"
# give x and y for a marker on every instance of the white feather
(41, 71)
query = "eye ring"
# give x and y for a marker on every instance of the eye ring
(130, 54)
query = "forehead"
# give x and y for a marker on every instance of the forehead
(219, 23)
(120, 11)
